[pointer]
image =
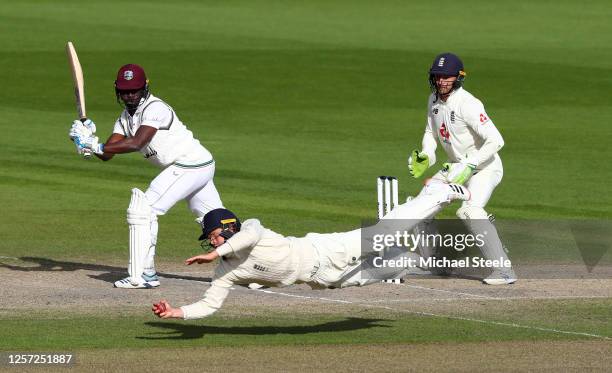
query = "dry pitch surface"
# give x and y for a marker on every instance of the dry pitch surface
(65, 288)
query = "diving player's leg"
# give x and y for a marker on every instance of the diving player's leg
(370, 268)
(472, 212)
(373, 270)
(433, 197)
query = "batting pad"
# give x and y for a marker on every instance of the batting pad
(149, 265)
(139, 222)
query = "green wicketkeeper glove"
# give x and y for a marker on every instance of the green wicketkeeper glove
(458, 173)
(417, 163)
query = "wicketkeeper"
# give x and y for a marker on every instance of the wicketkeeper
(458, 121)
(150, 126)
(250, 253)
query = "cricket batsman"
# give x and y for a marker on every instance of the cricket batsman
(458, 121)
(150, 126)
(250, 253)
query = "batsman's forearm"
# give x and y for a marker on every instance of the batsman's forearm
(105, 157)
(129, 145)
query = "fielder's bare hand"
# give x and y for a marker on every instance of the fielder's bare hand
(202, 258)
(164, 310)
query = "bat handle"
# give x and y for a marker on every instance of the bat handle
(86, 152)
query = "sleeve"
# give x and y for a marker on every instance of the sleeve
(157, 115)
(213, 297)
(118, 128)
(429, 143)
(248, 237)
(478, 120)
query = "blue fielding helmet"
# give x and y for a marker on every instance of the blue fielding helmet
(446, 64)
(220, 218)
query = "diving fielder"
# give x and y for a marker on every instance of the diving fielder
(252, 253)
(459, 122)
(150, 126)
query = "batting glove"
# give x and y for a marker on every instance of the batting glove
(90, 125)
(418, 162)
(91, 143)
(458, 173)
(86, 128)
(78, 130)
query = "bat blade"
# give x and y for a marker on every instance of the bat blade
(78, 80)
(79, 84)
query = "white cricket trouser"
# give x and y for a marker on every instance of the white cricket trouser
(339, 254)
(340, 263)
(481, 185)
(175, 183)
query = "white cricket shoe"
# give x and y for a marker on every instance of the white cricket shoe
(499, 277)
(459, 192)
(256, 286)
(453, 191)
(148, 282)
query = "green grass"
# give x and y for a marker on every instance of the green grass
(274, 328)
(302, 106)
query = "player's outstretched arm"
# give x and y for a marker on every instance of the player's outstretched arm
(203, 258)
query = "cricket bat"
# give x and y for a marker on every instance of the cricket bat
(79, 85)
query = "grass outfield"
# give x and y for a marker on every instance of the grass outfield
(262, 326)
(378, 339)
(302, 104)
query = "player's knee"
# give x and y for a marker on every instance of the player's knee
(471, 213)
(139, 211)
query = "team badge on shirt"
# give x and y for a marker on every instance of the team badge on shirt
(445, 135)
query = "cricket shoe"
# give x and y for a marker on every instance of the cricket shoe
(459, 192)
(453, 191)
(499, 277)
(148, 282)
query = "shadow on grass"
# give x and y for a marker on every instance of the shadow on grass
(111, 274)
(190, 331)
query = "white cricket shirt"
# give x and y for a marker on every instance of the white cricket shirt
(172, 143)
(463, 128)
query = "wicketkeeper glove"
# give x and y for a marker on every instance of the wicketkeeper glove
(458, 173)
(418, 163)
